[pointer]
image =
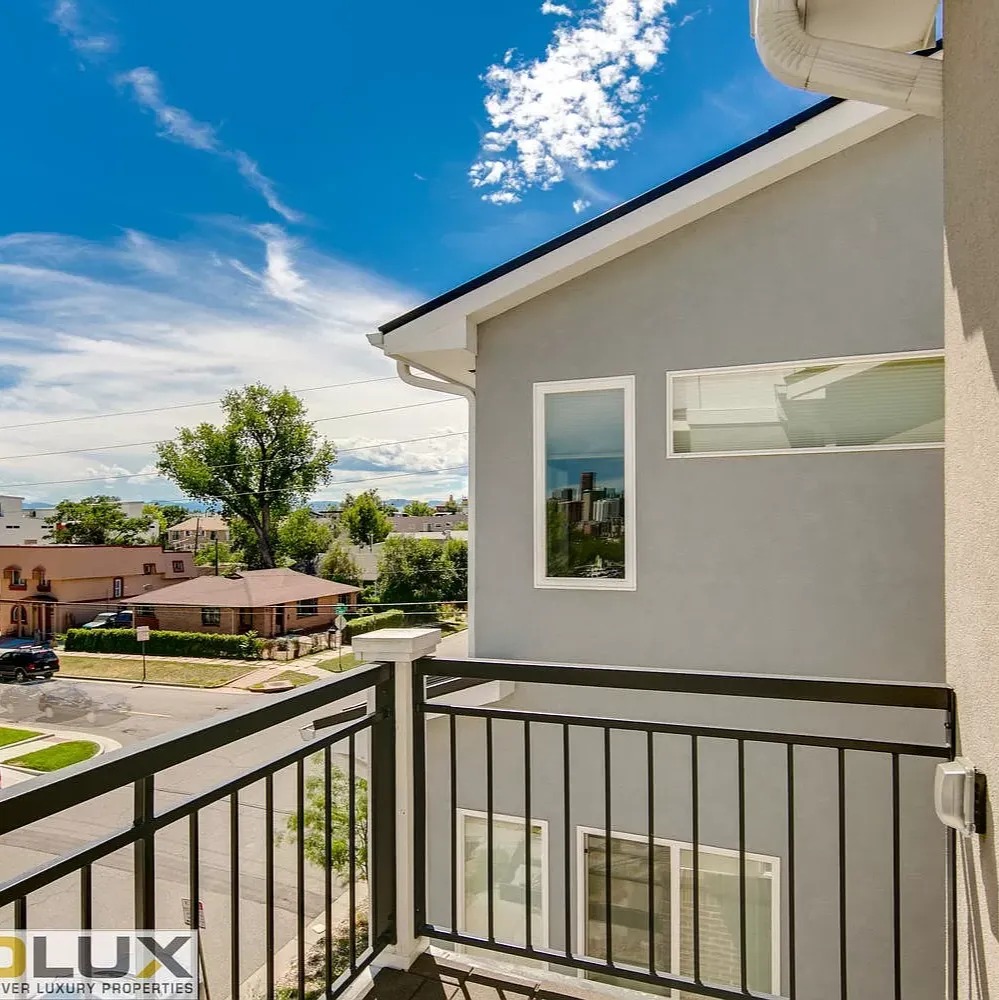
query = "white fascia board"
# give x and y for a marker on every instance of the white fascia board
(827, 134)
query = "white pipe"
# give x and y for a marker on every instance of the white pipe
(845, 69)
(440, 383)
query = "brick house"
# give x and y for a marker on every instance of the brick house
(198, 532)
(270, 602)
(47, 589)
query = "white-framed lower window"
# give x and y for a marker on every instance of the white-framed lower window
(869, 403)
(510, 878)
(673, 877)
(584, 484)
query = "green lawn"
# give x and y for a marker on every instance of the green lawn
(295, 677)
(187, 673)
(54, 758)
(346, 662)
(8, 736)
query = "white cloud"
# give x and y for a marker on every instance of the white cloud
(556, 8)
(180, 126)
(89, 43)
(94, 328)
(580, 205)
(571, 108)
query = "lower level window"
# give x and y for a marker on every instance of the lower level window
(510, 879)
(673, 911)
(211, 616)
(308, 609)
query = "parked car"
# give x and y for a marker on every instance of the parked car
(26, 662)
(70, 701)
(111, 619)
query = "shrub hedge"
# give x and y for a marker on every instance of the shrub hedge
(161, 643)
(369, 623)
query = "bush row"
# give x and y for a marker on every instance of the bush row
(369, 623)
(122, 640)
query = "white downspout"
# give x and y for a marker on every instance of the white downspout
(440, 383)
(845, 69)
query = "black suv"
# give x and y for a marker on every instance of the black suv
(25, 662)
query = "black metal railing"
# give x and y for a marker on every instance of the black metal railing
(335, 746)
(650, 815)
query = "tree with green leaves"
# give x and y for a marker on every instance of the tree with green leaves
(262, 461)
(339, 565)
(302, 537)
(451, 505)
(365, 518)
(418, 508)
(227, 556)
(416, 570)
(314, 834)
(97, 520)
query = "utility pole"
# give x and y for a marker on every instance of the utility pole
(197, 535)
(216, 557)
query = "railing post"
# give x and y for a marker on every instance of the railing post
(144, 863)
(402, 647)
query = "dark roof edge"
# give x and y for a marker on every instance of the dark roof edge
(626, 208)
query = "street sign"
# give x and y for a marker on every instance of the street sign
(142, 633)
(340, 621)
(341, 609)
(186, 907)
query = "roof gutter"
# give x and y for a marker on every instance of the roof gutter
(859, 72)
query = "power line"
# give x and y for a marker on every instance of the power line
(227, 465)
(180, 406)
(146, 444)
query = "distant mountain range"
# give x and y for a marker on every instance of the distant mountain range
(195, 507)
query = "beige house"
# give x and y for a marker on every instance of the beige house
(270, 602)
(198, 532)
(44, 590)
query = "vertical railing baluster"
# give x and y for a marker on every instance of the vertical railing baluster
(743, 961)
(489, 830)
(841, 798)
(328, 861)
(419, 772)
(567, 851)
(608, 935)
(791, 929)
(234, 976)
(194, 887)
(352, 849)
(269, 883)
(143, 854)
(453, 786)
(651, 794)
(527, 832)
(896, 876)
(695, 835)
(300, 871)
(86, 898)
(21, 913)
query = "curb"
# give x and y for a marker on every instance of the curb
(160, 684)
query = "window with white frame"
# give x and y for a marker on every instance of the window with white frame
(510, 878)
(584, 484)
(887, 401)
(673, 914)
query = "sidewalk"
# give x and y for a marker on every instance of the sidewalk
(303, 665)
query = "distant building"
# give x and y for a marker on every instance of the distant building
(270, 602)
(44, 590)
(407, 524)
(198, 531)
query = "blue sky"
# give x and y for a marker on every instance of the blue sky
(198, 195)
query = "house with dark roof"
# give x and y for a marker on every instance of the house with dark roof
(706, 435)
(270, 602)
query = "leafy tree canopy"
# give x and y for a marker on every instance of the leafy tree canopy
(302, 537)
(339, 565)
(97, 520)
(417, 570)
(418, 508)
(262, 461)
(365, 518)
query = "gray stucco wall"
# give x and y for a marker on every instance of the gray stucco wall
(804, 564)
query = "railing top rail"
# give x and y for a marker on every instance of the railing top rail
(44, 796)
(889, 694)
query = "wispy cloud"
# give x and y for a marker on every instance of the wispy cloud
(576, 105)
(87, 41)
(181, 126)
(89, 328)
(580, 205)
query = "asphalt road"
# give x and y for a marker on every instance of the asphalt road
(130, 713)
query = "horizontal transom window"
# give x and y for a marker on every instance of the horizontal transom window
(876, 402)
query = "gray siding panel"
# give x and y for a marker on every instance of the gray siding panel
(804, 564)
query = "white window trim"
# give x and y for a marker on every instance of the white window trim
(539, 935)
(541, 580)
(676, 846)
(736, 369)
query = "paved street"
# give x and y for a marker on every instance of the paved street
(130, 714)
